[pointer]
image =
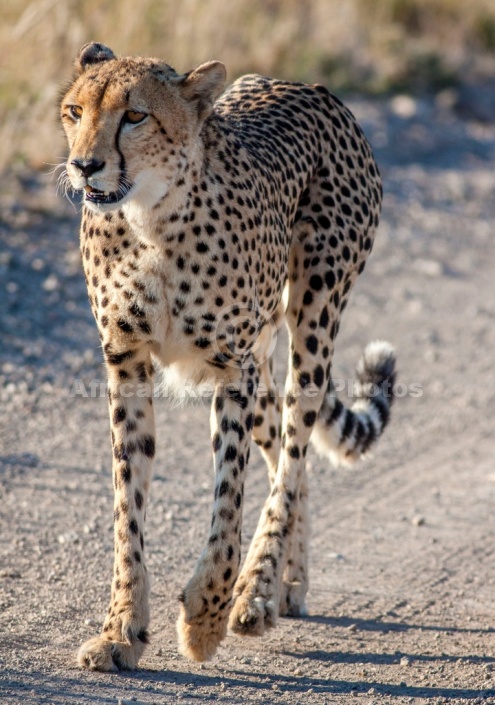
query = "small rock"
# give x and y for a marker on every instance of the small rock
(372, 691)
(405, 661)
(298, 672)
(404, 106)
(50, 283)
(418, 520)
(90, 622)
(352, 628)
(430, 267)
(68, 537)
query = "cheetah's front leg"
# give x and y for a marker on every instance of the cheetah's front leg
(206, 600)
(124, 635)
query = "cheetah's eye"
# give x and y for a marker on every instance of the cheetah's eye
(134, 117)
(76, 112)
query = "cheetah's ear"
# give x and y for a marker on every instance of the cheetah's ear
(203, 85)
(93, 53)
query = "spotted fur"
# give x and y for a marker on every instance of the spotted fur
(199, 210)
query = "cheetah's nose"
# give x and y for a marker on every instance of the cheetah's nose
(88, 167)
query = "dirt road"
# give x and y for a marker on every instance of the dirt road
(402, 599)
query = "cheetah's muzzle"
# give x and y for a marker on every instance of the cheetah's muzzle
(98, 197)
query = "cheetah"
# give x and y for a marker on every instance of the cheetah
(209, 219)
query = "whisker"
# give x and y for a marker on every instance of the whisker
(56, 167)
(64, 187)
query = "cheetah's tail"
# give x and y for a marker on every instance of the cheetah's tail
(344, 435)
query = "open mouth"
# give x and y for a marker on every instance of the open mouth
(102, 197)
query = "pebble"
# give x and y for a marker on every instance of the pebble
(51, 283)
(405, 661)
(430, 267)
(68, 537)
(418, 520)
(404, 106)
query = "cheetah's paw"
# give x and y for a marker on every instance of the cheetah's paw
(101, 654)
(253, 616)
(119, 648)
(293, 599)
(202, 623)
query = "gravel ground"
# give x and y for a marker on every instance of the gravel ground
(402, 600)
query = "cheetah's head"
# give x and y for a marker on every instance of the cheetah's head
(131, 124)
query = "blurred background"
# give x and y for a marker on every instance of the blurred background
(370, 46)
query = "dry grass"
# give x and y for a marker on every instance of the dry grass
(371, 45)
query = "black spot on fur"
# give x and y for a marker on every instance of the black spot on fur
(146, 445)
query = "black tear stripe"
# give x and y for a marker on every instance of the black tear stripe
(122, 164)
